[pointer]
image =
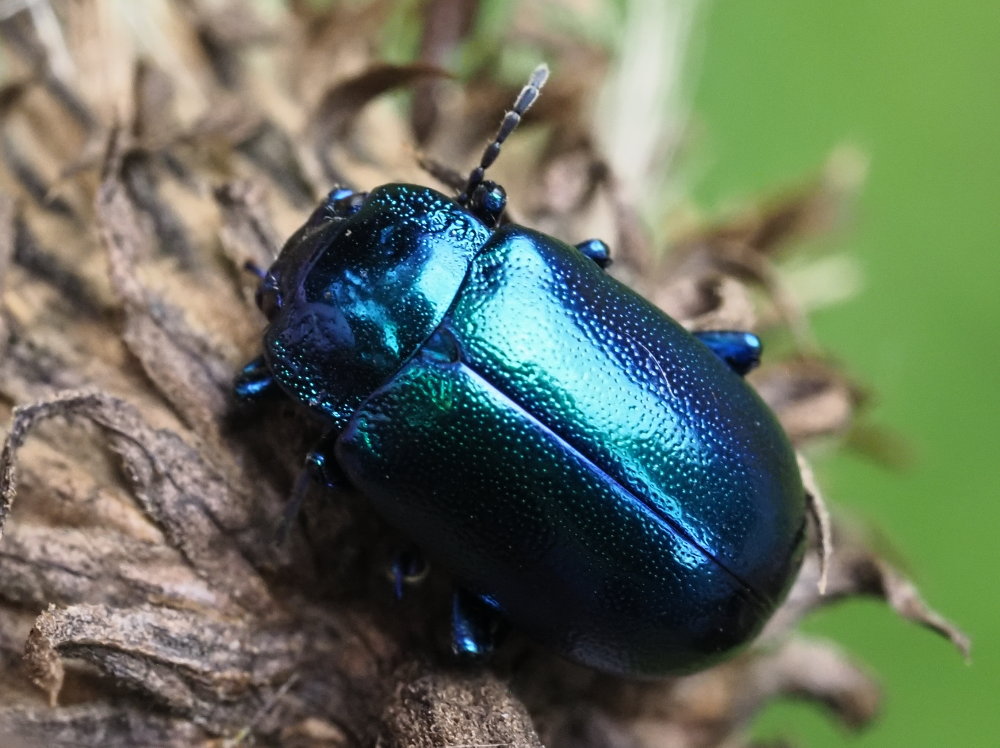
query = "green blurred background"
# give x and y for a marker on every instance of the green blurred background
(777, 85)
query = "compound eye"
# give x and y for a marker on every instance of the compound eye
(269, 296)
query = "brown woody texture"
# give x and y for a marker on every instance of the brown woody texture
(143, 600)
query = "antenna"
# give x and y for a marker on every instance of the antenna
(511, 120)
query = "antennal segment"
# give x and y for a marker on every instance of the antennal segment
(511, 120)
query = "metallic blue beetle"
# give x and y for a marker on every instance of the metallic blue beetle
(590, 472)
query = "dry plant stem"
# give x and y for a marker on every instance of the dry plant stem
(142, 600)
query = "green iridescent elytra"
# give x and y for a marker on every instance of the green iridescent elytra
(593, 473)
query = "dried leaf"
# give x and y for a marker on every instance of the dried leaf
(183, 494)
(445, 24)
(183, 364)
(247, 233)
(855, 570)
(342, 103)
(153, 650)
(810, 397)
(154, 121)
(127, 724)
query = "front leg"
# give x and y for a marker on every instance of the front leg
(408, 567)
(255, 381)
(476, 626)
(320, 467)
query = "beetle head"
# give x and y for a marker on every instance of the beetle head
(359, 287)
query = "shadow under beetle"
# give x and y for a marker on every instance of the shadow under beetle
(592, 474)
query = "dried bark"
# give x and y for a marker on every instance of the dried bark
(142, 598)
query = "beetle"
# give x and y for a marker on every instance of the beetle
(591, 473)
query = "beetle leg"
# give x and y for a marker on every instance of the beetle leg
(476, 625)
(318, 468)
(320, 465)
(408, 567)
(254, 381)
(252, 267)
(741, 350)
(597, 251)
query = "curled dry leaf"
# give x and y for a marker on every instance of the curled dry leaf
(856, 570)
(810, 397)
(125, 724)
(744, 247)
(342, 103)
(140, 588)
(444, 24)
